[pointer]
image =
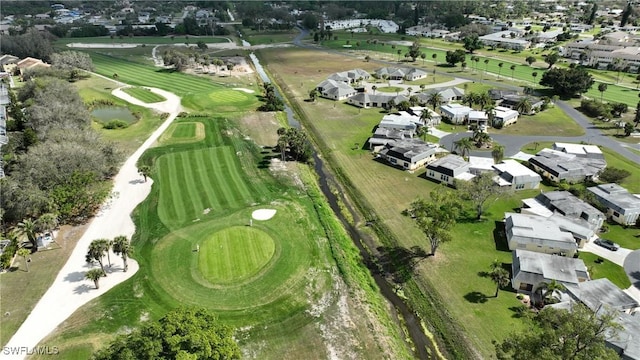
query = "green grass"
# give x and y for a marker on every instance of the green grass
(268, 37)
(631, 183)
(551, 121)
(144, 95)
(390, 89)
(606, 269)
(184, 131)
(534, 148)
(218, 259)
(143, 40)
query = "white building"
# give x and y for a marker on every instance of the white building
(457, 113)
(504, 116)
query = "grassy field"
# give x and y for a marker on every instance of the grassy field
(268, 37)
(453, 272)
(150, 40)
(218, 262)
(144, 95)
(551, 121)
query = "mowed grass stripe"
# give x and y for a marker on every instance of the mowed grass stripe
(167, 170)
(216, 194)
(193, 202)
(198, 182)
(235, 187)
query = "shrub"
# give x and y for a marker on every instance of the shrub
(116, 124)
(7, 255)
(613, 175)
(595, 108)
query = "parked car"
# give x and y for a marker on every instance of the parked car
(607, 244)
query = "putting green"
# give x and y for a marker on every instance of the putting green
(183, 132)
(235, 253)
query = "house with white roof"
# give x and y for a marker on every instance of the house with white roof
(567, 204)
(478, 118)
(622, 206)
(456, 113)
(503, 116)
(434, 118)
(448, 169)
(539, 234)
(515, 175)
(531, 270)
(335, 90)
(479, 165)
(503, 39)
(580, 150)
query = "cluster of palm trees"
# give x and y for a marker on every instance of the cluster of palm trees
(481, 99)
(99, 248)
(31, 229)
(465, 144)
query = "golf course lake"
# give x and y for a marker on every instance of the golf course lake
(108, 113)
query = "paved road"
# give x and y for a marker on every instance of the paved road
(632, 268)
(513, 143)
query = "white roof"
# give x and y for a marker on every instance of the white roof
(456, 109)
(474, 114)
(534, 207)
(466, 176)
(502, 112)
(514, 168)
(478, 162)
(578, 149)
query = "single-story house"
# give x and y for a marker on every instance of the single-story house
(503, 39)
(448, 94)
(350, 76)
(448, 169)
(511, 102)
(25, 64)
(557, 166)
(409, 154)
(579, 150)
(498, 94)
(335, 90)
(479, 165)
(627, 340)
(504, 116)
(478, 118)
(396, 73)
(366, 100)
(532, 269)
(392, 127)
(599, 292)
(7, 59)
(539, 234)
(622, 206)
(455, 112)
(571, 206)
(435, 117)
(517, 176)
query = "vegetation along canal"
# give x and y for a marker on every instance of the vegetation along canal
(424, 346)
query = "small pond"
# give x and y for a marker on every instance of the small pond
(108, 113)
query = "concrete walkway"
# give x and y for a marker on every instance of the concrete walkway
(70, 290)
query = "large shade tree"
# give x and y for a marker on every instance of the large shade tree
(567, 82)
(478, 191)
(183, 333)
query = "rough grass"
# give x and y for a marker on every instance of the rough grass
(218, 259)
(144, 95)
(164, 40)
(550, 121)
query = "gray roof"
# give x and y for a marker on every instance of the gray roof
(399, 72)
(594, 293)
(551, 267)
(616, 197)
(569, 205)
(534, 229)
(337, 88)
(628, 338)
(448, 93)
(410, 150)
(450, 165)
(567, 166)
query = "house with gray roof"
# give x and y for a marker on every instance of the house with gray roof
(599, 292)
(511, 102)
(448, 94)
(366, 100)
(559, 166)
(626, 342)
(539, 234)
(409, 154)
(515, 175)
(335, 90)
(448, 169)
(568, 205)
(397, 73)
(350, 76)
(503, 39)
(622, 206)
(530, 270)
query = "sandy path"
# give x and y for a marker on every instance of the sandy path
(70, 290)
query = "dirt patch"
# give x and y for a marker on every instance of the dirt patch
(287, 169)
(240, 67)
(261, 127)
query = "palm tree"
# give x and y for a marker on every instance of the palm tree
(497, 153)
(96, 251)
(464, 145)
(500, 276)
(145, 171)
(484, 100)
(422, 86)
(602, 87)
(423, 56)
(374, 88)
(548, 291)
(313, 94)
(482, 138)
(24, 253)
(414, 100)
(390, 105)
(28, 228)
(468, 99)
(94, 275)
(524, 105)
(426, 117)
(122, 247)
(435, 99)
(47, 222)
(423, 131)
(409, 90)
(500, 65)
(399, 53)
(513, 68)
(435, 58)
(534, 75)
(486, 64)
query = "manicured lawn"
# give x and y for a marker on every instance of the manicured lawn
(143, 40)
(218, 260)
(551, 121)
(605, 269)
(390, 89)
(631, 183)
(144, 95)
(533, 148)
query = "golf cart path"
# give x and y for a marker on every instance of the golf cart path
(70, 290)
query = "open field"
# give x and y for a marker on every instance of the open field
(269, 37)
(144, 95)
(551, 121)
(451, 270)
(605, 269)
(144, 40)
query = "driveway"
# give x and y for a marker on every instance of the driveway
(616, 257)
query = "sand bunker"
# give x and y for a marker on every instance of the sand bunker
(263, 214)
(248, 91)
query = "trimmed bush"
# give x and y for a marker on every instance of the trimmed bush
(116, 124)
